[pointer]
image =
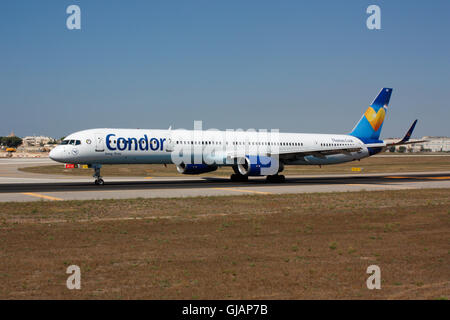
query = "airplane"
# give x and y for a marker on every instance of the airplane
(249, 153)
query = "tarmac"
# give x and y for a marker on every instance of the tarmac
(21, 186)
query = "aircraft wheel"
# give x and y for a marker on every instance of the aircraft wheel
(99, 182)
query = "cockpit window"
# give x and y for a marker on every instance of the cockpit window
(71, 142)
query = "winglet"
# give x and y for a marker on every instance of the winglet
(409, 132)
(405, 139)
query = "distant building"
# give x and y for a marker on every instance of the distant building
(33, 141)
(434, 144)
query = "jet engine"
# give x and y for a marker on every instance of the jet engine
(195, 168)
(259, 166)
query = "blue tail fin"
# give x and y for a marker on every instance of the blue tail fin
(369, 126)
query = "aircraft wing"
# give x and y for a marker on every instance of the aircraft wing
(292, 155)
(317, 153)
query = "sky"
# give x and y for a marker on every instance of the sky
(296, 66)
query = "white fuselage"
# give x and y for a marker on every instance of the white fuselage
(142, 146)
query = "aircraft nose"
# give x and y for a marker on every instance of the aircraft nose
(56, 154)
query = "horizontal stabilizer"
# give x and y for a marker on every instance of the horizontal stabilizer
(406, 138)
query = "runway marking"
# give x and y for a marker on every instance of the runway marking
(43, 196)
(397, 177)
(242, 190)
(419, 178)
(376, 185)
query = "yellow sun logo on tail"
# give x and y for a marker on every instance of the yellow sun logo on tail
(375, 118)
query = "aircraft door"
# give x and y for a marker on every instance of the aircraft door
(99, 142)
(169, 145)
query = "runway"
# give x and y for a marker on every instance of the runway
(20, 186)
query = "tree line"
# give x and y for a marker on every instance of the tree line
(10, 142)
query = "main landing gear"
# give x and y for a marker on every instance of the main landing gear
(276, 178)
(98, 178)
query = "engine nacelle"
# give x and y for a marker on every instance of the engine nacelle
(195, 168)
(259, 166)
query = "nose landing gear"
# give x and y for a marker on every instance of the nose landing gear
(99, 181)
(98, 178)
